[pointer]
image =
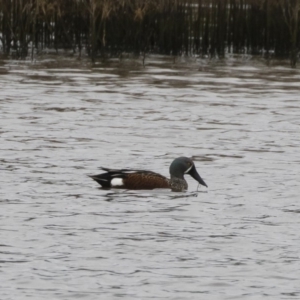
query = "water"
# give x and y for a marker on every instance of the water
(64, 238)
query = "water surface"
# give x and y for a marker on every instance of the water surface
(64, 238)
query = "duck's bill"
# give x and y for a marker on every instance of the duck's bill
(193, 172)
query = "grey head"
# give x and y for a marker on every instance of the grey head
(184, 165)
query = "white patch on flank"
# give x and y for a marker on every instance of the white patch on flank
(116, 182)
(188, 169)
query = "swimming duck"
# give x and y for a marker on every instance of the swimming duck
(147, 180)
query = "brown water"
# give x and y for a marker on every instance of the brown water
(64, 238)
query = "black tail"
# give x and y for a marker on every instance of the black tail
(103, 179)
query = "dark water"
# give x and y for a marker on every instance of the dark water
(63, 238)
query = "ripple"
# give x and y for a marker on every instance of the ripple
(64, 237)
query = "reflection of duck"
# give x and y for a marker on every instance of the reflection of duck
(147, 180)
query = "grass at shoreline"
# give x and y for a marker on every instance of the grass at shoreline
(98, 28)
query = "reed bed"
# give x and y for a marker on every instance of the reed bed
(209, 28)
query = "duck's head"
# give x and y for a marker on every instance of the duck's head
(184, 165)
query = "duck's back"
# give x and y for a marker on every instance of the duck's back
(131, 179)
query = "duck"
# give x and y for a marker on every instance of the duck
(131, 179)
